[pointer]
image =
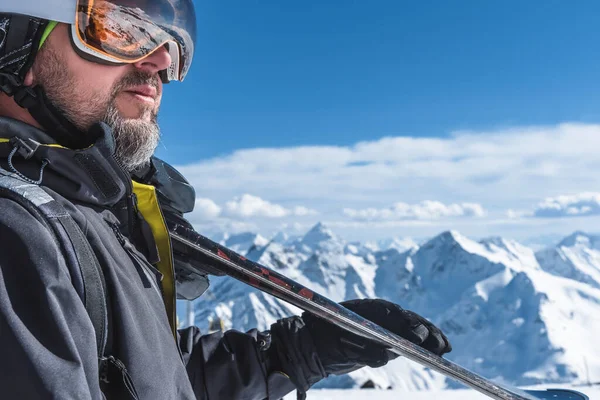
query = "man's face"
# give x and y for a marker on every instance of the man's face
(126, 97)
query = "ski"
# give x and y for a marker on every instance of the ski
(223, 261)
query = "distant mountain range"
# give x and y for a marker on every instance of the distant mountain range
(511, 313)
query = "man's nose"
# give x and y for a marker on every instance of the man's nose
(156, 61)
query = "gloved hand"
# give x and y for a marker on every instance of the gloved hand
(341, 352)
(308, 349)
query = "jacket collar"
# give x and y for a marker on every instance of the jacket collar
(89, 175)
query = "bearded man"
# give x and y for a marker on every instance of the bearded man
(82, 82)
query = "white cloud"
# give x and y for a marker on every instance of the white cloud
(500, 170)
(205, 209)
(248, 206)
(252, 206)
(496, 166)
(302, 211)
(216, 229)
(426, 210)
(581, 204)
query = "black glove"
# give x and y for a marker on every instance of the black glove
(341, 352)
(308, 349)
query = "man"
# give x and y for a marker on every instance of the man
(82, 83)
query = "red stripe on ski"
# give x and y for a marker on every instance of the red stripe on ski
(306, 293)
(222, 254)
(279, 282)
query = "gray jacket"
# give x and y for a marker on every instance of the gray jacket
(47, 341)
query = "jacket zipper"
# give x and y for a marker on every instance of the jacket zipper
(130, 197)
(125, 244)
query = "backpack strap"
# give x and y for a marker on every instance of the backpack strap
(80, 258)
(95, 295)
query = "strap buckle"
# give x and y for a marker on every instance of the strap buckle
(25, 150)
(25, 97)
(12, 85)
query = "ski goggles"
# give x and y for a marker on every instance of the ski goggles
(126, 31)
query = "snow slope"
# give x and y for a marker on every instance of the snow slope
(510, 313)
(357, 394)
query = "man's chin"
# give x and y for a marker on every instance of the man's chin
(136, 110)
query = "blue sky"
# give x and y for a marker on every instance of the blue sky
(282, 75)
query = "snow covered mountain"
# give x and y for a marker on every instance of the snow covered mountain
(400, 244)
(506, 316)
(243, 242)
(510, 313)
(576, 257)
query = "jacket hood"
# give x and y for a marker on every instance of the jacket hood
(89, 175)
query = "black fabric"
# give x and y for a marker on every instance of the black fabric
(92, 279)
(64, 172)
(47, 334)
(225, 357)
(99, 175)
(294, 350)
(341, 351)
(19, 38)
(17, 30)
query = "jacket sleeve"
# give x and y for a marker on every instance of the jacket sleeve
(47, 341)
(233, 365)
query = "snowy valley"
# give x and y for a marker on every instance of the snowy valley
(511, 313)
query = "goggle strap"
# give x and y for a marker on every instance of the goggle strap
(173, 69)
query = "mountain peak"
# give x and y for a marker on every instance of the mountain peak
(448, 238)
(321, 227)
(317, 234)
(451, 234)
(580, 239)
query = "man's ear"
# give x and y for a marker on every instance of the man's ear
(28, 81)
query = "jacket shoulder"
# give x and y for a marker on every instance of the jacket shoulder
(17, 221)
(26, 240)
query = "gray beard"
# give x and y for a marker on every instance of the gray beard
(135, 140)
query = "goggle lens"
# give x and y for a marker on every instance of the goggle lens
(126, 31)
